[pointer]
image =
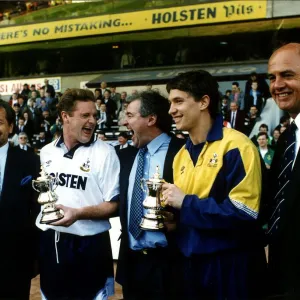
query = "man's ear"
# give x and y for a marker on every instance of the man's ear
(11, 128)
(65, 117)
(204, 102)
(152, 120)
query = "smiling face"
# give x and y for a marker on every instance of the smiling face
(184, 110)
(137, 124)
(80, 124)
(284, 75)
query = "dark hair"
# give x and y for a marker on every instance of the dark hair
(228, 91)
(198, 84)
(20, 97)
(70, 97)
(33, 85)
(22, 118)
(262, 133)
(153, 103)
(98, 90)
(236, 83)
(17, 104)
(10, 113)
(264, 126)
(107, 90)
(124, 135)
(225, 97)
(284, 119)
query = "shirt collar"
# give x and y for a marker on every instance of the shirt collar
(3, 150)
(215, 133)
(297, 121)
(60, 143)
(156, 143)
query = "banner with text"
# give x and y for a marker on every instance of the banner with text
(200, 14)
(11, 86)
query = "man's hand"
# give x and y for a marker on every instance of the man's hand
(70, 216)
(172, 195)
(169, 220)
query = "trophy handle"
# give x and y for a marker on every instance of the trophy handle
(33, 181)
(143, 182)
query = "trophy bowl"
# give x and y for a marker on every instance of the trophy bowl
(153, 220)
(45, 185)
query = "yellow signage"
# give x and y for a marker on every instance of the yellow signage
(191, 15)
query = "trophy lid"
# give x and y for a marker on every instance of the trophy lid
(156, 176)
(44, 176)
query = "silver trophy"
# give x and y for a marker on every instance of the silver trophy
(153, 220)
(46, 185)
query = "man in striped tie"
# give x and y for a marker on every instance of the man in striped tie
(284, 224)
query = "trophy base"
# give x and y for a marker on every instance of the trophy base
(51, 216)
(155, 224)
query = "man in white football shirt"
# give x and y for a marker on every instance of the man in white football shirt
(75, 252)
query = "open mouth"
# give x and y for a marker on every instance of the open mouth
(87, 130)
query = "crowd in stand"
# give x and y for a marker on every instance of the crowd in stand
(38, 123)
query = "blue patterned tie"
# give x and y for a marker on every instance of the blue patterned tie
(136, 208)
(284, 178)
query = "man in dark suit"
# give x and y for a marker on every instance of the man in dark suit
(147, 260)
(236, 117)
(111, 106)
(23, 140)
(48, 88)
(284, 224)
(18, 210)
(123, 142)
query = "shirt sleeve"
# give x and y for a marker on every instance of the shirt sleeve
(242, 174)
(109, 176)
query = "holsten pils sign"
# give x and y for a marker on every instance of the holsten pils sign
(191, 15)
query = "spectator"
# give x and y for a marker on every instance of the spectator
(284, 121)
(101, 136)
(122, 118)
(251, 120)
(236, 117)
(103, 88)
(237, 95)
(23, 142)
(98, 94)
(102, 121)
(25, 91)
(42, 141)
(276, 135)
(263, 87)
(122, 102)
(127, 60)
(33, 89)
(28, 125)
(22, 104)
(115, 96)
(224, 106)
(254, 98)
(123, 142)
(20, 127)
(111, 107)
(262, 128)
(266, 152)
(16, 108)
(48, 88)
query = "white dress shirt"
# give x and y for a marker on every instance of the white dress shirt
(3, 156)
